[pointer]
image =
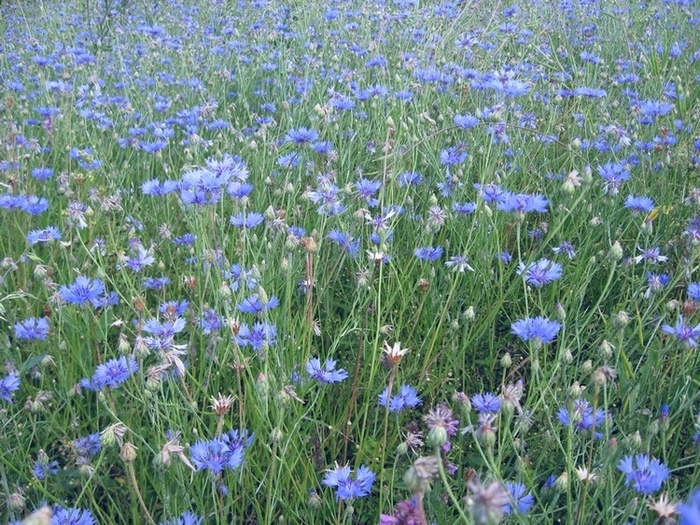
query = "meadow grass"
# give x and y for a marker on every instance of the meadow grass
(349, 262)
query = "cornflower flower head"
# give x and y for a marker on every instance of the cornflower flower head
(540, 273)
(522, 203)
(393, 355)
(259, 336)
(186, 518)
(409, 178)
(366, 189)
(685, 334)
(43, 467)
(111, 373)
(582, 417)
(406, 398)
(655, 283)
(459, 263)
(8, 385)
(346, 242)
(210, 321)
(88, 291)
(87, 446)
(486, 402)
(566, 248)
(613, 175)
(694, 291)
(327, 373)
(487, 503)
(48, 234)
(221, 453)
(639, 204)
(465, 121)
(139, 261)
(254, 304)
(644, 474)
(651, 255)
(32, 329)
(689, 510)
(521, 499)
(348, 486)
(429, 253)
(247, 220)
(442, 425)
(301, 136)
(72, 516)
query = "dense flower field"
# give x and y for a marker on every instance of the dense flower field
(396, 262)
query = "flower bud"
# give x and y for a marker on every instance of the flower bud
(606, 350)
(128, 452)
(437, 436)
(567, 357)
(561, 484)
(17, 502)
(616, 253)
(587, 366)
(621, 320)
(506, 361)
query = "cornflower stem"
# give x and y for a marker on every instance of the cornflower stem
(429, 360)
(446, 484)
(390, 385)
(135, 486)
(581, 509)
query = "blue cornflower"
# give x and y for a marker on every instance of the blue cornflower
(288, 161)
(326, 374)
(655, 283)
(247, 220)
(346, 242)
(687, 335)
(409, 178)
(34, 205)
(254, 305)
(261, 335)
(694, 291)
(32, 329)
(465, 121)
(536, 328)
(540, 273)
(490, 192)
(172, 309)
(87, 446)
(650, 109)
(639, 204)
(210, 321)
(111, 374)
(156, 283)
(301, 136)
(582, 417)
(224, 452)
(429, 253)
(83, 290)
(85, 158)
(614, 174)
(521, 499)
(367, 188)
(459, 263)
(452, 156)
(348, 487)
(44, 468)
(156, 188)
(8, 384)
(487, 402)
(48, 234)
(522, 203)
(644, 474)
(239, 190)
(689, 511)
(72, 516)
(186, 518)
(44, 173)
(651, 255)
(407, 397)
(463, 208)
(566, 248)
(138, 262)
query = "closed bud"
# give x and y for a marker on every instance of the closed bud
(561, 313)
(276, 435)
(128, 453)
(567, 357)
(314, 500)
(587, 367)
(635, 441)
(17, 502)
(576, 390)
(437, 436)
(605, 350)
(402, 449)
(616, 253)
(469, 314)
(561, 484)
(486, 437)
(506, 361)
(621, 320)
(598, 378)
